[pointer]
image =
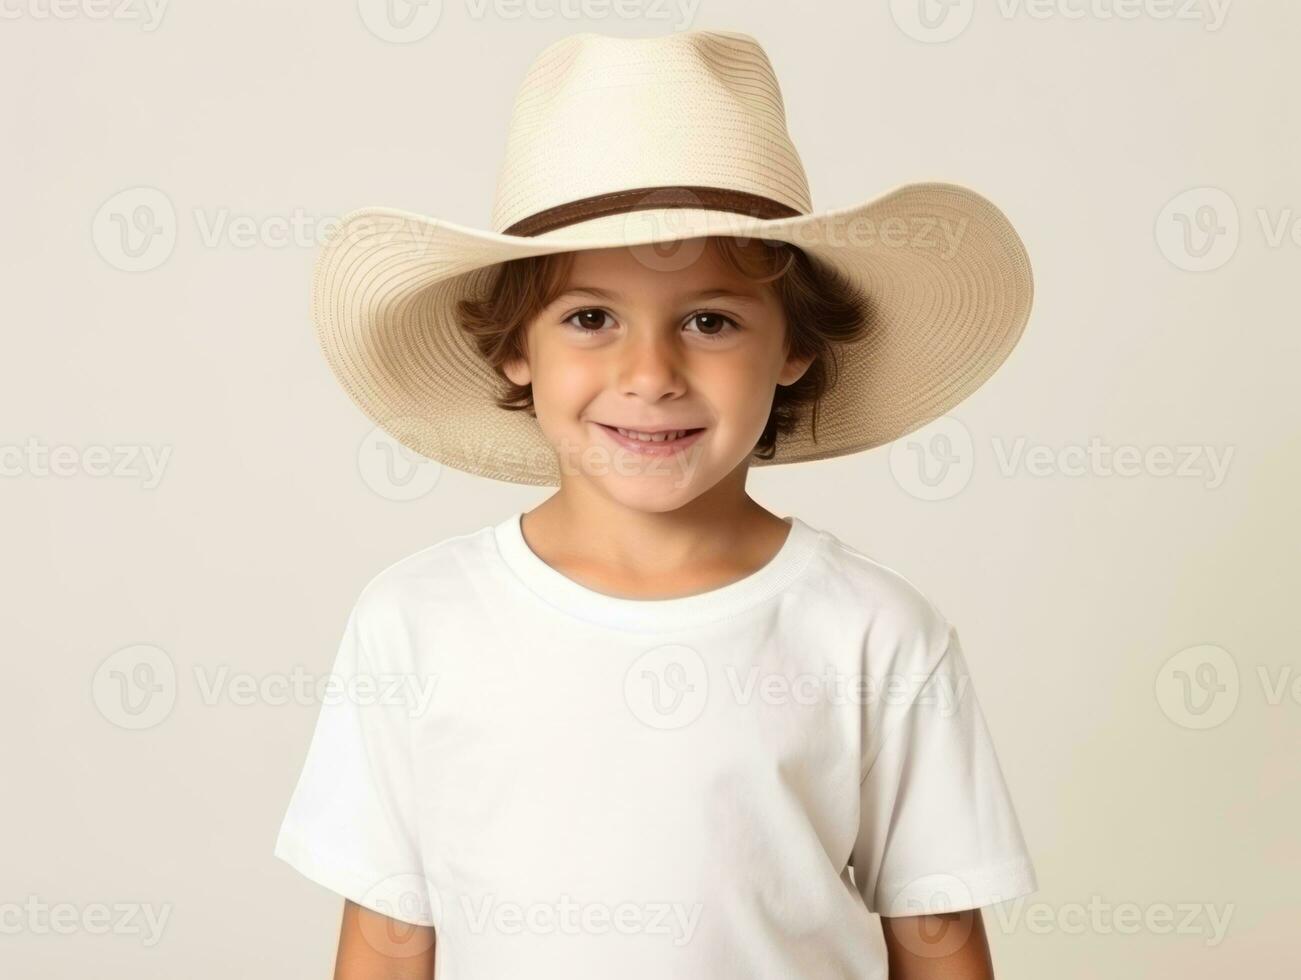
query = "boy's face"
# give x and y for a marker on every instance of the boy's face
(637, 343)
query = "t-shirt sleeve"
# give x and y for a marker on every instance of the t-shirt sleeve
(351, 824)
(938, 831)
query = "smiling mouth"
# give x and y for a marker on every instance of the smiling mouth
(651, 435)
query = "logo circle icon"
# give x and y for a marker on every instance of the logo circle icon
(392, 469)
(667, 687)
(409, 903)
(932, 21)
(935, 462)
(135, 229)
(931, 895)
(135, 688)
(663, 213)
(1198, 687)
(400, 21)
(1199, 230)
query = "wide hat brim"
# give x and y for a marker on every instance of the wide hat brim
(947, 280)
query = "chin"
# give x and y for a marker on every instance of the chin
(661, 485)
(652, 495)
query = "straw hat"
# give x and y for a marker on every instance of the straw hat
(624, 142)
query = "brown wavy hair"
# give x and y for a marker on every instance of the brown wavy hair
(823, 309)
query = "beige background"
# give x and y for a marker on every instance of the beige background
(1073, 588)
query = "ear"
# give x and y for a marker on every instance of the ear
(517, 370)
(794, 369)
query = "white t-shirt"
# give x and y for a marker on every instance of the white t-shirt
(569, 785)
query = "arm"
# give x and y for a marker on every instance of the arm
(375, 947)
(947, 946)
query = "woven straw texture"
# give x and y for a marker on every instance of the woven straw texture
(597, 115)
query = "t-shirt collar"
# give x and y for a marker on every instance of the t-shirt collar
(657, 615)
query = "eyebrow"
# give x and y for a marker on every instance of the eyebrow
(715, 293)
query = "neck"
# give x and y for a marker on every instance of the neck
(720, 532)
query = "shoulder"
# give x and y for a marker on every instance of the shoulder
(423, 581)
(878, 597)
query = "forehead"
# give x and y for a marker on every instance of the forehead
(677, 268)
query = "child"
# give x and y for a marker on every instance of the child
(649, 729)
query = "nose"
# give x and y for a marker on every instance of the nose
(650, 365)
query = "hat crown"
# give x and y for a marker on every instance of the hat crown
(597, 114)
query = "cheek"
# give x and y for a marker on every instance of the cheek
(562, 382)
(741, 388)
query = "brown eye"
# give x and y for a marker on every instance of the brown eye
(712, 324)
(588, 320)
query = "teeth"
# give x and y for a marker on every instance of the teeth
(650, 437)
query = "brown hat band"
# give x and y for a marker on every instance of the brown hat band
(648, 199)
